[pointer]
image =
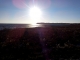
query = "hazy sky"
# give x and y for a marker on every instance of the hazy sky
(17, 11)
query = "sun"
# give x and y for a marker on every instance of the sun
(35, 14)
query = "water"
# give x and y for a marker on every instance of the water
(11, 26)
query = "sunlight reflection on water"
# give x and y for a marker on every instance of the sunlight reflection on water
(35, 25)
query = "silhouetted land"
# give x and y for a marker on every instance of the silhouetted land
(51, 42)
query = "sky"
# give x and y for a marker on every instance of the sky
(53, 11)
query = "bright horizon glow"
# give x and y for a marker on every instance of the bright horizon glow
(35, 14)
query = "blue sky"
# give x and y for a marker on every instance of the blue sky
(16, 11)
